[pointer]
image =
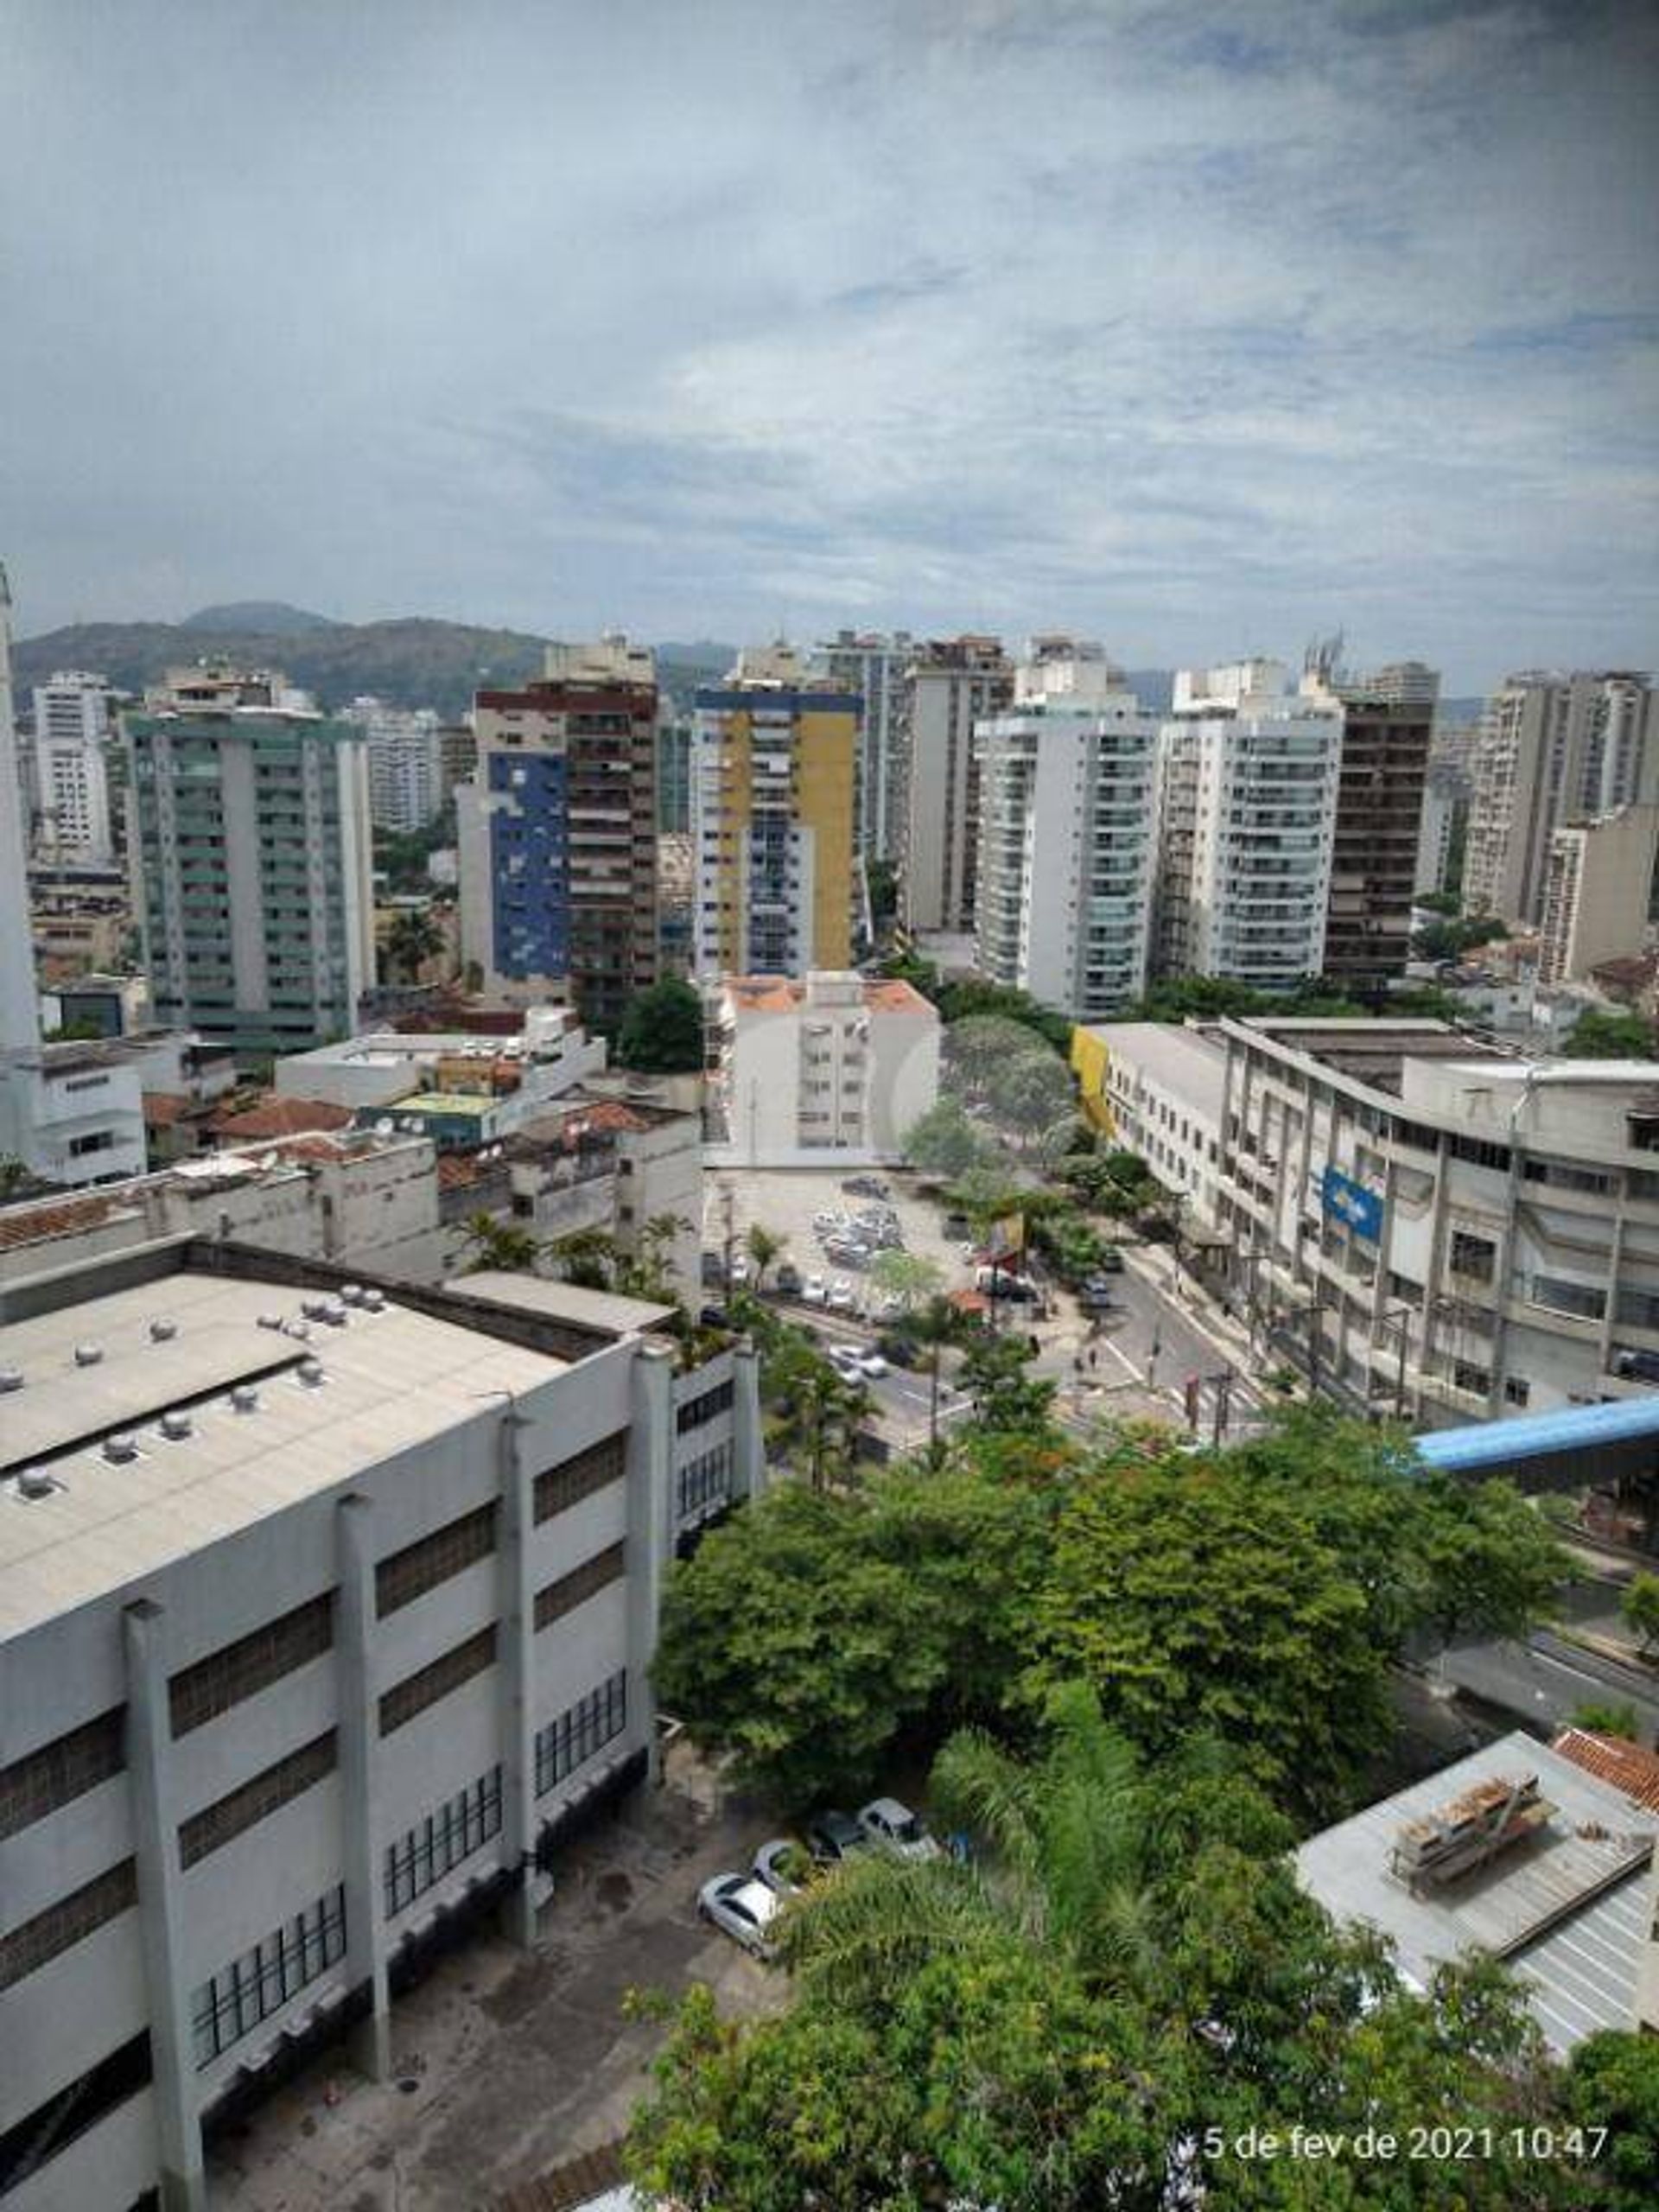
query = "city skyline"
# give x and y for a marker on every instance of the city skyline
(1196, 335)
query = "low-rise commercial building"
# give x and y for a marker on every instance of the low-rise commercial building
(1157, 1089)
(1430, 1225)
(833, 1069)
(325, 1614)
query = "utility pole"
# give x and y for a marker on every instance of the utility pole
(1221, 1384)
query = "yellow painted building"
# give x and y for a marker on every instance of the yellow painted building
(773, 765)
(1090, 1060)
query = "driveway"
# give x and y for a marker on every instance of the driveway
(508, 2063)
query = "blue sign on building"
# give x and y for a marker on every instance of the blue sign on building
(1346, 1200)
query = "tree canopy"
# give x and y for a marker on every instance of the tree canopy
(1599, 1034)
(662, 1030)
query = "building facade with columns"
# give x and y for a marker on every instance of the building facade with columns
(326, 1611)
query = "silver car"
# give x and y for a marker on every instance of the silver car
(743, 1908)
(783, 1865)
(894, 1828)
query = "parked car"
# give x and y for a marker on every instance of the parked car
(1636, 1366)
(834, 1835)
(841, 1295)
(848, 1252)
(787, 1281)
(845, 1360)
(826, 1224)
(1002, 1283)
(897, 1830)
(871, 1365)
(865, 1186)
(1111, 1261)
(1094, 1294)
(783, 1865)
(813, 1291)
(743, 1908)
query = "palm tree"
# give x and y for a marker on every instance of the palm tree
(763, 1249)
(500, 1246)
(822, 1417)
(587, 1257)
(413, 939)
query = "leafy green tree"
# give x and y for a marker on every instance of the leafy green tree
(413, 939)
(959, 1001)
(1613, 2081)
(1006, 1396)
(1608, 1719)
(764, 1246)
(944, 1141)
(907, 1276)
(499, 1246)
(662, 1030)
(1029, 1092)
(823, 1413)
(1598, 1035)
(1640, 1608)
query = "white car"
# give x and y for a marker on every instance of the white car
(897, 1830)
(846, 1362)
(813, 1291)
(871, 1365)
(741, 1269)
(841, 1294)
(744, 1907)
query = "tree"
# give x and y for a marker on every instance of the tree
(587, 1257)
(1029, 1092)
(1613, 2081)
(499, 1246)
(662, 1030)
(1640, 1608)
(882, 880)
(763, 1247)
(907, 1276)
(413, 939)
(822, 1415)
(1608, 1719)
(944, 1141)
(1006, 1397)
(1598, 1035)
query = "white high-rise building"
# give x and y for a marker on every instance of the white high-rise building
(1248, 774)
(406, 790)
(20, 1021)
(72, 790)
(1552, 749)
(1067, 834)
(873, 665)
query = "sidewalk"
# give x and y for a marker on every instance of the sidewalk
(1155, 1265)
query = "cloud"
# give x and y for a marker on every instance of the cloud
(1189, 328)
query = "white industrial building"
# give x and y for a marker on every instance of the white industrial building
(1158, 1089)
(1430, 1224)
(833, 1070)
(1248, 779)
(326, 1614)
(1068, 834)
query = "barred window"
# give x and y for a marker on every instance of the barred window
(416, 1692)
(575, 1738)
(60, 1772)
(696, 1412)
(249, 1990)
(65, 1923)
(573, 1589)
(421, 1566)
(200, 1692)
(559, 1488)
(704, 1481)
(212, 1827)
(440, 1842)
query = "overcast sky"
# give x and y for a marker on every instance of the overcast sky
(1195, 328)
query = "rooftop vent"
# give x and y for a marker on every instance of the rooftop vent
(333, 1313)
(301, 1329)
(374, 1302)
(11, 1378)
(177, 1425)
(270, 1321)
(121, 1449)
(315, 1309)
(352, 1293)
(310, 1372)
(161, 1330)
(245, 1398)
(88, 1354)
(35, 1482)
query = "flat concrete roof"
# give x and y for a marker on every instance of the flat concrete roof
(1566, 1909)
(1183, 1060)
(563, 1301)
(391, 1380)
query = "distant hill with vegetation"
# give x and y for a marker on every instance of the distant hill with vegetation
(413, 661)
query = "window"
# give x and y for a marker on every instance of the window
(559, 1488)
(30, 2142)
(1517, 1391)
(577, 1734)
(60, 1772)
(421, 1566)
(1473, 1256)
(1474, 1379)
(439, 1843)
(416, 1692)
(1584, 1301)
(214, 1684)
(575, 1588)
(696, 1412)
(64, 1924)
(704, 1481)
(264, 1980)
(214, 1827)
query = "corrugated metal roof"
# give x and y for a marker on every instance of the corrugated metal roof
(1533, 1436)
(1565, 1910)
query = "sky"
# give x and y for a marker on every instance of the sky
(1198, 329)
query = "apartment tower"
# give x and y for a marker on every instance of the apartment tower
(1388, 725)
(948, 686)
(773, 773)
(873, 665)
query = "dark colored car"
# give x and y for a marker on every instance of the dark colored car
(788, 1278)
(834, 1835)
(865, 1186)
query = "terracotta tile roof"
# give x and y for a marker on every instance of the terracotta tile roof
(34, 1224)
(1629, 1767)
(458, 1171)
(782, 994)
(894, 997)
(281, 1117)
(163, 1108)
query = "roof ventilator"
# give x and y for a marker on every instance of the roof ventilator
(121, 1449)
(177, 1425)
(35, 1482)
(88, 1354)
(11, 1378)
(161, 1330)
(310, 1372)
(245, 1398)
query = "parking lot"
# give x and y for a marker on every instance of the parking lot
(508, 2063)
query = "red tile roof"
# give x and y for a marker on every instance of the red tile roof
(784, 995)
(163, 1108)
(34, 1224)
(1629, 1767)
(281, 1117)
